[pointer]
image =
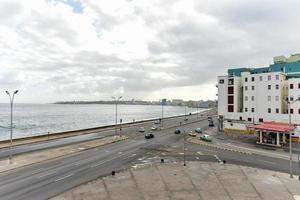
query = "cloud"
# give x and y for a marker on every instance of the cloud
(86, 50)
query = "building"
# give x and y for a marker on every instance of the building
(256, 95)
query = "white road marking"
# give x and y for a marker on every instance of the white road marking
(200, 153)
(120, 152)
(219, 160)
(64, 177)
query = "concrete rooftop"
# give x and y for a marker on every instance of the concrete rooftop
(198, 180)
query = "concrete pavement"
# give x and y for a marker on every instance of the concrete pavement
(198, 180)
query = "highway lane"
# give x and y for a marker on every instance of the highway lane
(127, 130)
(44, 180)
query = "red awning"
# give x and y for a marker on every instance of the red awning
(273, 126)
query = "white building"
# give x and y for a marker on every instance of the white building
(255, 95)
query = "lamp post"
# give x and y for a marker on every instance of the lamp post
(116, 100)
(184, 164)
(290, 133)
(197, 112)
(11, 99)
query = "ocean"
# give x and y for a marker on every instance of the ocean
(38, 119)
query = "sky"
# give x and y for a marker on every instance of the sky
(65, 50)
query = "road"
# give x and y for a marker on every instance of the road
(47, 179)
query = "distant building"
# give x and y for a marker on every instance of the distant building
(177, 102)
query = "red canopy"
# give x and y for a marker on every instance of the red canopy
(273, 126)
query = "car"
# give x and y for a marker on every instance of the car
(209, 118)
(192, 133)
(198, 130)
(177, 131)
(206, 138)
(211, 123)
(154, 128)
(157, 121)
(185, 119)
(141, 130)
(149, 136)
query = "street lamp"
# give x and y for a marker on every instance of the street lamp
(184, 164)
(116, 100)
(11, 99)
(289, 112)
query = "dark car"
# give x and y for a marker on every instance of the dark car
(177, 131)
(211, 123)
(149, 136)
(185, 119)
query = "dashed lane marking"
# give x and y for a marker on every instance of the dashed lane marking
(64, 177)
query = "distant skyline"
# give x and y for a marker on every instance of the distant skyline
(65, 50)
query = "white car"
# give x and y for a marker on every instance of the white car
(154, 128)
(141, 130)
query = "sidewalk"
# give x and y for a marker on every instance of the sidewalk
(198, 180)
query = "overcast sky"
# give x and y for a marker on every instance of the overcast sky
(143, 49)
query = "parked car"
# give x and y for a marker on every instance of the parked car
(211, 123)
(185, 119)
(209, 118)
(177, 131)
(141, 130)
(192, 133)
(154, 128)
(198, 130)
(206, 138)
(149, 136)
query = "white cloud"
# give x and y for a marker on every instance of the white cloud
(142, 49)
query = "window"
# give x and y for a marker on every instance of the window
(277, 98)
(298, 111)
(291, 98)
(277, 77)
(241, 118)
(246, 98)
(291, 110)
(249, 119)
(269, 77)
(291, 86)
(246, 109)
(260, 78)
(230, 99)
(261, 120)
(221, 81)
(277, 110)
(269, 110)
(246, 88)
(246, 79)
(269, 87)
(269, 98)
(230, 108)
(298, 85)
(252, 87)
(277, 87)
(252, 98)
(253, 79)
(230, 90)
(252, 109)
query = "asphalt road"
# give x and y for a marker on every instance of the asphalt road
(47, 179)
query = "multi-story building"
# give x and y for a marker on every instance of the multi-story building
(255, 95)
